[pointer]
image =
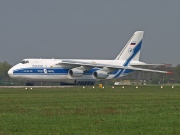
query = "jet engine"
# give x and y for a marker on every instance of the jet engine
(75, 72)
(99, 74)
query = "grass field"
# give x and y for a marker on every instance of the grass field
(78, 111)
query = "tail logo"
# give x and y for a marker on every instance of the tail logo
(130, 50)
(134, 52)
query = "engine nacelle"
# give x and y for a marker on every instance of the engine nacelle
(75, 72)
(100, 74)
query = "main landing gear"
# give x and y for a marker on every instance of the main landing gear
(29, 84)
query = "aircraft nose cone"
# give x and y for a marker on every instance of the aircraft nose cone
(10, 73)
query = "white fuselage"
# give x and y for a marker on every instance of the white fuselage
(51, 70)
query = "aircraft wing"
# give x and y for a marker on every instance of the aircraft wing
(111, 66)
(139, 63)
(146, 64)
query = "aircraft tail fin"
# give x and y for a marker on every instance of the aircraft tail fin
(131, 51)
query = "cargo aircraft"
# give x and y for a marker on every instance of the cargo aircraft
(82, 71)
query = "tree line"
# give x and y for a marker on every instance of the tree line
(150, 77)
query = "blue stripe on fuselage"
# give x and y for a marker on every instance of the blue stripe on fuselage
(49, 71)
(54, 71)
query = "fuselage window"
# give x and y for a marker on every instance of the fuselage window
(25, 61)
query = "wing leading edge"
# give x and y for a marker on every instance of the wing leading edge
(110, 66)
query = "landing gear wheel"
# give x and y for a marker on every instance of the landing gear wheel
(29, 84)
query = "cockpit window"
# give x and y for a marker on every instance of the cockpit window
(25, 61)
